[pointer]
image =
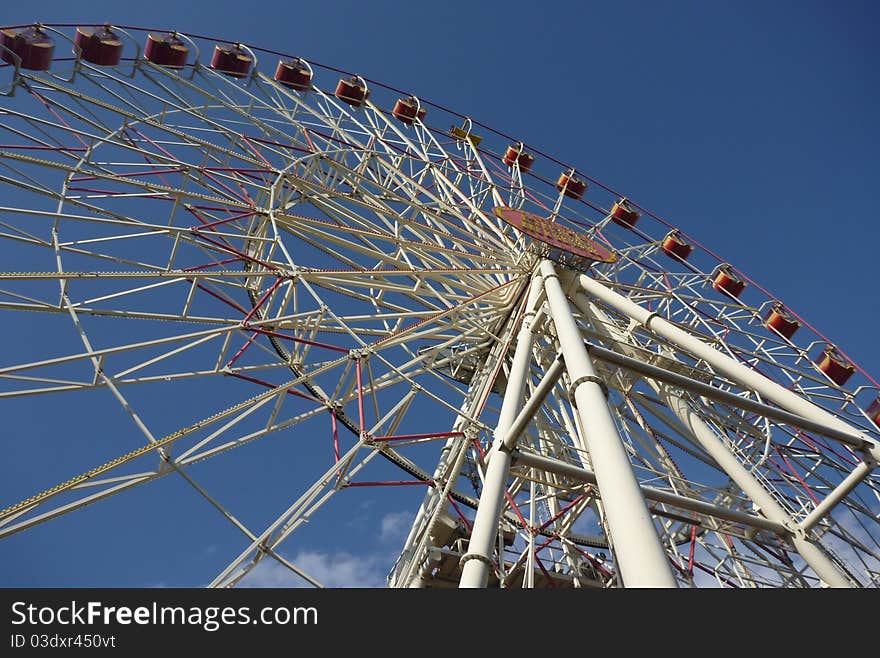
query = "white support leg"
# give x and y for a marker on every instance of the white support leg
(840, 492)
(640, 555)
(448, 469)
(477, 561)
(722, 363)
(812, 554)
(550, 465)
(745, 480)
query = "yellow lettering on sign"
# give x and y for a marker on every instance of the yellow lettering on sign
(554, 234)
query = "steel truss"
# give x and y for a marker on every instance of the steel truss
(323, 270)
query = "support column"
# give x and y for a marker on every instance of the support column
(812, 553)
(478, 560)
(640, 555)
(840, 492)
(448, 466)
(726, 365)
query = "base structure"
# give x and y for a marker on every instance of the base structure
(578, 318)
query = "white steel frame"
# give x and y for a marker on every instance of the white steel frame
(334, 267)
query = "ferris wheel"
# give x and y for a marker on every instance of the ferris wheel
(231, 246)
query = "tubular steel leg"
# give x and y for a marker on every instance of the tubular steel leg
(641, 557)
(447, 470)
(812, 554)
(843, 489)
(558, 467)
(741, 374)
(478, 559)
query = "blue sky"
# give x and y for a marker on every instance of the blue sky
(751, 125)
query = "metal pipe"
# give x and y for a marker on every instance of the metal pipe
(840, 492)
(578, 474)
(447, 470)
(476, 562)
(815, 556)
(639, 553)
(530, 409)
(722, 363)
(720, 395)
(728, 462)
(745, 480)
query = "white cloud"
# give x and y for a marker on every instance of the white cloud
(339, 569)
(395, 526)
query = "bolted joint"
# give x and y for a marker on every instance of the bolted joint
(498, 445)
(582, 380)
(528, 318)
(796, 531)
(647, 322)
(474, 556)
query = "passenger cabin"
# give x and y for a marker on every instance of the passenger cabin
(675, 246)
(167, 50)
(232, 60)
(623, 214)
(781, 321)
(571, 186)
(98, 45)
(408, 110)
(32, 46)
(835, 366)
(516, 154)
(727, 281)
(294, 73)
(352, 90)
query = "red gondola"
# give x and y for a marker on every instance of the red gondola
(33, 46)
(873, 411)
(294, 73)
(781, 321)
(98, 45)
(166, 50)
(408, 110)
(231, 60)
(835, 366)
(674, 246)
(515, 153)
(571, 186)
(352, 90)
(624, 214)
(726, 280)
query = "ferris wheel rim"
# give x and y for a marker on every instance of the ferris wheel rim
(252, 293)
(770, 296)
